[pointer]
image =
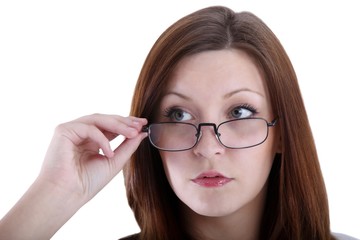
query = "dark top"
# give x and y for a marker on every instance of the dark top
(338, 236)
(131, 237)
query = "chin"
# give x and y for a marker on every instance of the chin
(213, 210)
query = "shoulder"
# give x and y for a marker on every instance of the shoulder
(131, 237)
(340, 236)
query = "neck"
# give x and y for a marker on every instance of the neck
(243, 224)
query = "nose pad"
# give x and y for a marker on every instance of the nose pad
(214, 134)
(208, 142)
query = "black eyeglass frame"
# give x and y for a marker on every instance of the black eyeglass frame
(216, 128)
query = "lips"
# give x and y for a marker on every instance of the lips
(211, 179)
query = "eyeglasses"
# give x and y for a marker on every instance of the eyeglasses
(233, 134)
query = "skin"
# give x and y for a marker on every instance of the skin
(206, 87)
(73, 172)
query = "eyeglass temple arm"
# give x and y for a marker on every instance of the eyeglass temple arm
(273, 122)
(145, 129)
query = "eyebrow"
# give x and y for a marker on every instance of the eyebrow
(228, 95)
(177, 94)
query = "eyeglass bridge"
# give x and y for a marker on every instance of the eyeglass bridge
(198, 134)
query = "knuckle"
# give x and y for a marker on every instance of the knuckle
(61, 128)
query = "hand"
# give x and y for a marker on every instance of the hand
(72, 173)
(73, 161)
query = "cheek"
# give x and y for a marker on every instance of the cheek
(254, 164)
(251, 162)
(175, 166)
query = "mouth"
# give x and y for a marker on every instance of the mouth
(211, 179)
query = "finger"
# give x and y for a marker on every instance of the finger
(99, 119)
(123, 152)
(79, 133)
(116, 124)
(110, 136)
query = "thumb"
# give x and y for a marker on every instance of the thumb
(124, 151)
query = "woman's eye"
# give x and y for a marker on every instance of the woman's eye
(242, 112)
(178, 115)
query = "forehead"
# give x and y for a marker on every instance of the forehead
(216, 73)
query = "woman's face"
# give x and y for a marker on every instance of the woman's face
(213, 87)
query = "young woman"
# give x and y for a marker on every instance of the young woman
(229, 152)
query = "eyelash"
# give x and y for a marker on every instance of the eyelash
(169, 112)
(245, 106)
(248, 106)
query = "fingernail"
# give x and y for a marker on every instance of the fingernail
(136, 122)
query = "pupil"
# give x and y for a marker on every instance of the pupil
(178, 115)
(237, 112)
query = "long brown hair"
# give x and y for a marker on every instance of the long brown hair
(296, 206)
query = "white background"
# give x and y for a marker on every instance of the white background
(60, 60)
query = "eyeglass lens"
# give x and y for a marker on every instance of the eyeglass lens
(240, 133)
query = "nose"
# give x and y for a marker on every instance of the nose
(208, 144)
